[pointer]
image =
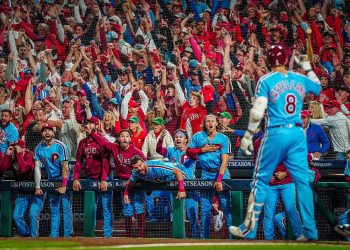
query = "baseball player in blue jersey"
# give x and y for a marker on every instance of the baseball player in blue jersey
(281, 92)
(213, 150)
(53, 156)
(155, 171)
(178, 154)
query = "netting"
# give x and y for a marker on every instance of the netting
(158, 223)
(63, 62)
(80, 46)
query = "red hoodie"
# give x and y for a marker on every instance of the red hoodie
(122, 157)
(96, 160)
(22, 165)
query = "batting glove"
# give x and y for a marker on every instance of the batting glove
(306, 65)
(247, 143)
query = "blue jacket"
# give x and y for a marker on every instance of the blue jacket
(317, 140)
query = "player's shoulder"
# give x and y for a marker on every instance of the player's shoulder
(268, 75)
(39, 146)
(60, 144)
(297, 75)
(159, 164)
(199, 134)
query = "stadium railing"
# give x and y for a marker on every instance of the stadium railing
(330, 198)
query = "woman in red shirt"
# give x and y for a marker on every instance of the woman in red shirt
(138, 135)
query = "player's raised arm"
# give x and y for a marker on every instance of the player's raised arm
(180, 179)
(313, 85)
(306, 65)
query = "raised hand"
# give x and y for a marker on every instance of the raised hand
(306, 65)
(247, 143)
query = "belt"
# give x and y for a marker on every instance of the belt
(290, 125)
(212, 170)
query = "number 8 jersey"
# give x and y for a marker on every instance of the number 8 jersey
(285, 94)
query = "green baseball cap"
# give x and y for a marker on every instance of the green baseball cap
(134, 119)
(226, 115)
(158, 121)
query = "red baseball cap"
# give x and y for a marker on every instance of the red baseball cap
(20, 143)
(133, 104)
(46, 126)
(332, 104)
(305, 113)
(94, 120)
(211, 55)
(81, 92)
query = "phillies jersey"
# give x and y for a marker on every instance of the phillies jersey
(51, 158)
(8, 134)
(192, 118)
(157, 172)
(211, 160)
(95, 157)
(285, 94)
(122, 157)
(176, 155)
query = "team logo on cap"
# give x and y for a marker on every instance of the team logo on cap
(54, 157)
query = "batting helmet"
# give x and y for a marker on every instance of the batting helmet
(276, 55)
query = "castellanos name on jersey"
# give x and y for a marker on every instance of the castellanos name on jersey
(285, 94)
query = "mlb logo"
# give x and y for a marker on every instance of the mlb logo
(14, 184)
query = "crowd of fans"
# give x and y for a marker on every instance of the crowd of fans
(152, 67)
(65, 61)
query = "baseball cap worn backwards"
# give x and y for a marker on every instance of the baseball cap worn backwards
(158, 121)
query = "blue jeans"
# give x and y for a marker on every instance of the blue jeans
(191, 204)
(137, 204)
(55, 206)
(23, 201)
(106, 200)
(206, 202)
(292, 151)
(287, 192)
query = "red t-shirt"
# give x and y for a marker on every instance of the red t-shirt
(139, 139)
(193, 116)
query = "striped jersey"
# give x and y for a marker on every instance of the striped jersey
(51, 158)
(157, 172)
